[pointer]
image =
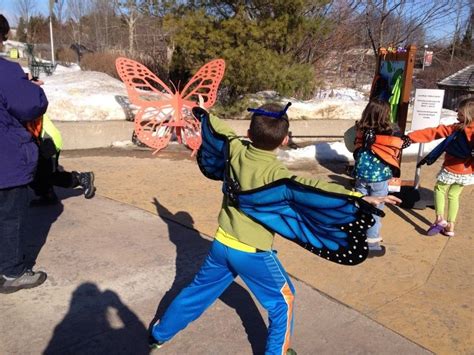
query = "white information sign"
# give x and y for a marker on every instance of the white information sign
(427, 108)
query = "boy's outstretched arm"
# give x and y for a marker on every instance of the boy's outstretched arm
(216, 123)
(333, 187)
(376, 200)
(221, 127)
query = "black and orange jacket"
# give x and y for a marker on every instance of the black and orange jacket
(385, 147)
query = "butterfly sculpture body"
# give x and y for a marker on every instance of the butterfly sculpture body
(163, 112)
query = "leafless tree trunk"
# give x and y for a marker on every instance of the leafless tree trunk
(386, 17)
(77, 9)
(59, 8)
(456, 34)
(25, 9)
(129, 10)
(101, 11)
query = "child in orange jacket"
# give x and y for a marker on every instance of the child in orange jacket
(377, 148)
(457, 170)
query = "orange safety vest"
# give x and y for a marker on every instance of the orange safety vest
(386, 148)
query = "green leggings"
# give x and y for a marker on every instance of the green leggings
(452, 191)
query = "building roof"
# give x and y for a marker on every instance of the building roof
(463, 78)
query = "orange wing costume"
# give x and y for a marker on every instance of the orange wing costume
(386, 148)
(163, 112)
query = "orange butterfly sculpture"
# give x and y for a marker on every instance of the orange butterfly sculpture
(164, 112)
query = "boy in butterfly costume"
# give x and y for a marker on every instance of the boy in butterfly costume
(243, 241)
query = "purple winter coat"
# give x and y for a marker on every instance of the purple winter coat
(20, 101)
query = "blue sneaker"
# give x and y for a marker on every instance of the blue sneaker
(376, 251)
(153, 343)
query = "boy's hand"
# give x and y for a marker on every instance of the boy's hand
(38, 82)
(376, 200)
(201, 102)
(35, 80)
(406, 141)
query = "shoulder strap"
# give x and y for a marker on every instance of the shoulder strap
(231, 184)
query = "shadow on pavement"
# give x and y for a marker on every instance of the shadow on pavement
(191, 250)
(419, 227)
(98, 323)
(40, 219)
(344, 180)
(330, 158)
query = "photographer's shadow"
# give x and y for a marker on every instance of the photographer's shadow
(191, 250)
(98, 323)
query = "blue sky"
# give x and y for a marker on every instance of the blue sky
(439, 31)
(8, 9)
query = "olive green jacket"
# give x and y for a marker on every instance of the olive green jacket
(253, 168)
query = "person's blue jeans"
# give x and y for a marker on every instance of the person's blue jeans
(373, 189)
(13, 209)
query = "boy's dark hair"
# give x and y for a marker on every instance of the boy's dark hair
(376, 116)
(4, 28)
(267, 132)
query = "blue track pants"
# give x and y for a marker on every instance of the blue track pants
(261, 272)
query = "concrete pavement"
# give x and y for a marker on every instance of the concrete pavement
(112, 266)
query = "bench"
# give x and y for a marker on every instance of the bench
(36, 66)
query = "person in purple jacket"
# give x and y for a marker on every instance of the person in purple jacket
(21, 101)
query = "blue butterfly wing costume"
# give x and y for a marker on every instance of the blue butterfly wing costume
(455, 144)
(328, 224)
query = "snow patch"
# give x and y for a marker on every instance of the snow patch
(76, 95)
(337, 151)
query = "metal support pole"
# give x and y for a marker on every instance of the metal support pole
(418, 170)
(51, 37)
(424, 53)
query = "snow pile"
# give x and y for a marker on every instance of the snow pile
(343, 103)
(345, 94)
(76, 95)
(337, 151)
(327, 109)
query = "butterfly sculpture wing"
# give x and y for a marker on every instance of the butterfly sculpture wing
(205, 83)
(155, 100)
(163, 112)
(330, 225)
(144, 88)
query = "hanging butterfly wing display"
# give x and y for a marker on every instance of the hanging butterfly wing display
(212, 153)
(456, 144)
(163, 113)
(330, 225)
